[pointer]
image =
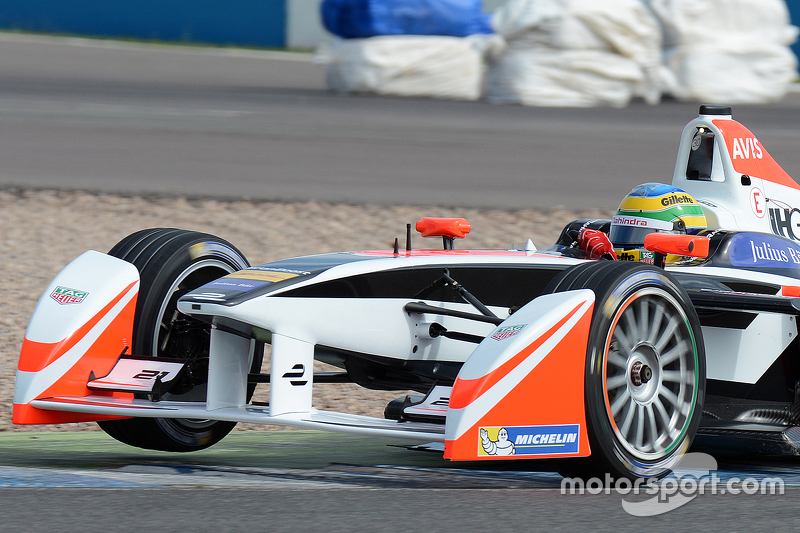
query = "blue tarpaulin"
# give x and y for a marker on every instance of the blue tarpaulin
(353, 19)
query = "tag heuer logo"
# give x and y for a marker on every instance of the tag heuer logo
(63, 295)
(508, 331)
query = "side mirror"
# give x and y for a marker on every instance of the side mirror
(446, 227)
(668, 243)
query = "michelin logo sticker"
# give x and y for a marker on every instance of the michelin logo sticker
(500, 446)
(529, 440)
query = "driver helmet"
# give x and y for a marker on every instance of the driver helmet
(651, 208)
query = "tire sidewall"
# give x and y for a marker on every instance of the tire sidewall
(162, 255)
(164, 268)
(611, 296)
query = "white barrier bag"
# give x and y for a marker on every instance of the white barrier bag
(732, 51)
(406, 65)
(576, 53)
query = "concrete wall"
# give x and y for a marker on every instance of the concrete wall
(304, 29)
(270, 23)
(240, 22)
(794, 12)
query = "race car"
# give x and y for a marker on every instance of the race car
(612, 351)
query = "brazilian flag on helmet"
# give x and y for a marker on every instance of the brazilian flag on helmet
(655, 207)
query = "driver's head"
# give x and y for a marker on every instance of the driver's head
(651, 208)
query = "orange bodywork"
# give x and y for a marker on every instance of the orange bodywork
(667, 243)
(550, 395)
(749, 157)
(99, 358)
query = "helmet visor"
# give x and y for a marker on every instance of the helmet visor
(629, 235)
(630, 230)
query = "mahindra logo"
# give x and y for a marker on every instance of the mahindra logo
(626, 221)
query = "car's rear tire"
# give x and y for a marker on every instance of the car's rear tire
(172, 262)
(645, 370)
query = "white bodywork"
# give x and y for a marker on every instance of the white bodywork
(747, 191)
(728, 203)
(100, 279)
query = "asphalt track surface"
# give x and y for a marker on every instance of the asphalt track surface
(312, 481)
(156, 120)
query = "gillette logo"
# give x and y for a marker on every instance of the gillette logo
(676, 199)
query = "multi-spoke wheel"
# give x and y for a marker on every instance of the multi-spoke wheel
(171, 263)
(645, 369)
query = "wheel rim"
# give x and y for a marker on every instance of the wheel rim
(194, 276)
(650, 375)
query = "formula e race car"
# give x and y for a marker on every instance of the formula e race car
(605, 366)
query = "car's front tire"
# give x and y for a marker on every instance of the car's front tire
(645, 370)
(172, 262)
